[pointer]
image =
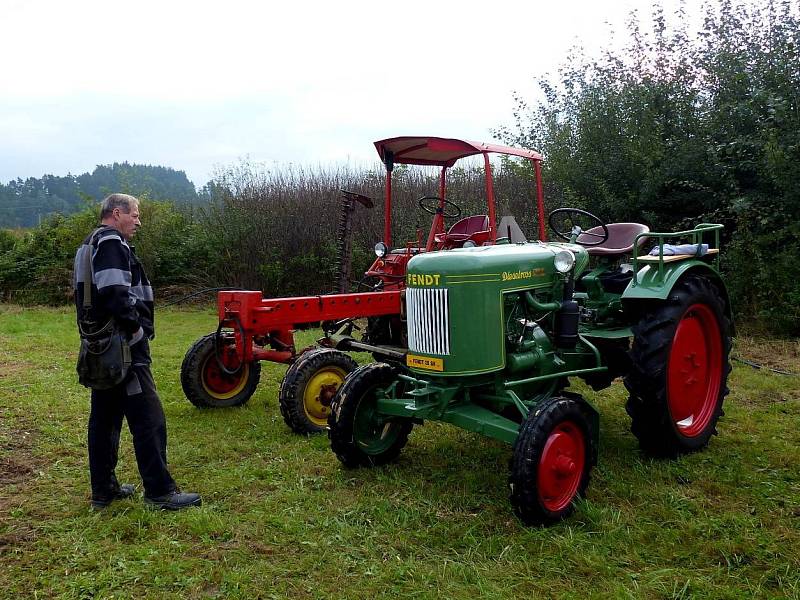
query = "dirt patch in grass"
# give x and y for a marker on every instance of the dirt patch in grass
(17, 465)
(13, 471)
(10, 374)
(17, 462)
(16, 538)
(775, 354)
(16, 442)
(8, 368)
(220, 550)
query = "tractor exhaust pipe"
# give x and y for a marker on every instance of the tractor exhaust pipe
(567, 317)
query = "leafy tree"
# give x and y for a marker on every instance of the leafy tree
(679, 128)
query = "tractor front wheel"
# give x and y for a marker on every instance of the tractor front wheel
(680, 367)
(309, 386)
(552, 460)
(206, 385)
(360, 436)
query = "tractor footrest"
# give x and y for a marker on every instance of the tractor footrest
(403, 408)
(425, 399)
(423, 392)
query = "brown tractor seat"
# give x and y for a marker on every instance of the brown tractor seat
(620, 239)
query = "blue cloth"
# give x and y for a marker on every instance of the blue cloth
(675, 249)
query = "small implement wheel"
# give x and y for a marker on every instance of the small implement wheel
(208, 386)
(678, 380)
(309, 386)
(359, 436)
(552, 460)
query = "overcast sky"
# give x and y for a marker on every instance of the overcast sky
(194, 84)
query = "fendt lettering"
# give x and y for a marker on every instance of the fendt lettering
(422, 279)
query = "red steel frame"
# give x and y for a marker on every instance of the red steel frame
(275, 319)
(260, 323)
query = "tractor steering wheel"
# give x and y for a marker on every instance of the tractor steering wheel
(576, 216)
(435, 209)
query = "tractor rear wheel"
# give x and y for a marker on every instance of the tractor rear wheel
(552, 460)
(359, 436)
(309, 386)
(208, 386)
(678, 379)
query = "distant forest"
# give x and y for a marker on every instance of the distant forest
(24, 203)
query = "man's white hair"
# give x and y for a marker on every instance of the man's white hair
(112, 201)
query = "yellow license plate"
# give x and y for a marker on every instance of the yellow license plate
(424, 362)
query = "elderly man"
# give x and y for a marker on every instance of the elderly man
(121, 291)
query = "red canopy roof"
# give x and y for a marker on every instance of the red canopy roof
(444, 152)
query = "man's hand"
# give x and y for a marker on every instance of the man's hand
(136, 336)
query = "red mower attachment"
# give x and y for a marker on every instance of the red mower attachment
(260, 323)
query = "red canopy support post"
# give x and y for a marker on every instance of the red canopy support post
(442, 187)
(490, 196)
(437, 224)
(387, 211)
(537, 167)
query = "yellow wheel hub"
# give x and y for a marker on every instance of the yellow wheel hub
(319, 392)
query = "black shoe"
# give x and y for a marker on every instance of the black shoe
(174, 501)
(126, 490)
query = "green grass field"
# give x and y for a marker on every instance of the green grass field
(282, 519)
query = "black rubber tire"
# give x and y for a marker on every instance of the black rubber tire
(292, 395)
(352, 399)
(194, 367)
(647, 381)
(526, 497)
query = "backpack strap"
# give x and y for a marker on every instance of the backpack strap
(86, 269)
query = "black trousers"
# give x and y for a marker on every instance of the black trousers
(136, 400)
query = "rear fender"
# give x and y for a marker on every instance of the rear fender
(649, 284)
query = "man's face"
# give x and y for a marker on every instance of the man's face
(127, 223)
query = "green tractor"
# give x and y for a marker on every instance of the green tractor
(495, 332)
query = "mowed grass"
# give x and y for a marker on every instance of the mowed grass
(282, 519)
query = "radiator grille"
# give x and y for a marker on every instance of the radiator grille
(428, 320)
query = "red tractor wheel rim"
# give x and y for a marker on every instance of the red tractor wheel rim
(694, 370)
(219, 383)
(561, 466)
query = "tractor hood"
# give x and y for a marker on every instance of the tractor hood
(455, 302)
(505, 266)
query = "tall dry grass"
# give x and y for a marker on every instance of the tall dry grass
(276, 229)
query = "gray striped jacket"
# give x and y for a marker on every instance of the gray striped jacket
(120, 288)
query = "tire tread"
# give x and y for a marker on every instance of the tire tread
(290, 395)
(191, 376)
(342, 418)
(527, 448)
(646, 382)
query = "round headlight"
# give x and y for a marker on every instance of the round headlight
(469, 244)
(564, 261)
(381, 249)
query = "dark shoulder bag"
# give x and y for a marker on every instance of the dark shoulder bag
(105, 355)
